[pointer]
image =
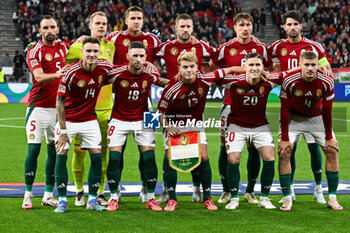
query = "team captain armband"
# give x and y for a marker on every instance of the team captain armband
(323, 62)
(330, 97)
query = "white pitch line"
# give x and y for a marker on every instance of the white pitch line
(13, 126)
(14, 118)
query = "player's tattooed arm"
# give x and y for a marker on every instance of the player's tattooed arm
(42, 77)
(61, 114)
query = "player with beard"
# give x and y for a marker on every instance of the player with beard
(46, 61)
(288, 53)
(134, 17)
(306, 107)
(170, 51)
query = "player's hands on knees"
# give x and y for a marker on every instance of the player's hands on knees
(60, 144)
(332, 145)
(284, 147)
(173, 131)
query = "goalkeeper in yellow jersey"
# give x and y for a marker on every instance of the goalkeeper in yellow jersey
(104, 104)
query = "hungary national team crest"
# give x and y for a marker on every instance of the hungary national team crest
(174, 51)
(183, 96)
(145, 43)
(200, 91)
(233, 52)
(262, 90)
(193, 50)
(183, 140)
(284, 52)
(126, 42)
(124, 83)
(240, 90)
(144, 84)
(48, 57)
(298, 93)
(318, 92)
(81, 83)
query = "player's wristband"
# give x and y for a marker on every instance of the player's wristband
(63, 131)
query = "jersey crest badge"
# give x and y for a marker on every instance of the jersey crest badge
(240, 90)
(48, 57)
(144, 84)
(145, 43)
(261, 90)
(183, 96)
(193, 50)
(32, 137)
(318, 92)
(126, 42)
(174, 51)
(100, 79)
(284, 52)
(233, 52)
(298, 93)
(200, 91)
(124, 83)
(81, 83)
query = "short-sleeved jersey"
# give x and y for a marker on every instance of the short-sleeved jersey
(131, 93)
(248, 102)
(171, 50)
(81, 88)
(50, 59)
(105, 98)
(233, 54)
(306, 99)
(181, 101)
(123, 40)
(288, 54)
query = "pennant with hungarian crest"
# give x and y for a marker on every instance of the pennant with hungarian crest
(184, 151)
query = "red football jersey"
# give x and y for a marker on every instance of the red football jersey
(248, 102)
(82, 87)
(50, 59)
(233, 54)
(307, 100)
(171, 50)
(181, 101)
(131, 93)
(123, 40)
(288, 54)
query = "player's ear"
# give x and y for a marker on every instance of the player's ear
(99, 52)
(127, 56)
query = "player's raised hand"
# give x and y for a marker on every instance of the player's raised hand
(173, 131)
(284, 147)
(332, 145)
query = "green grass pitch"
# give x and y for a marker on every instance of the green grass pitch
(132, 215)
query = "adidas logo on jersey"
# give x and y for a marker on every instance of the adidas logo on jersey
(308, 93)
(293, 53)
(91, 82)
(56, 55)
(134, 85)
(251, 91)
(244, 52)
(191, 93)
